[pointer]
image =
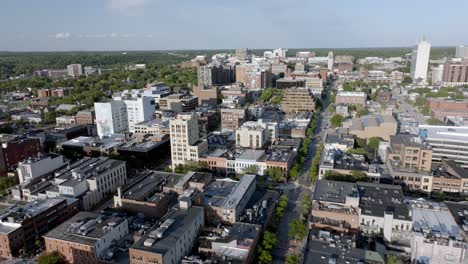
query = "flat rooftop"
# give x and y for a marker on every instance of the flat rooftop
(334, 191)
(183, 219)
(69, 230)
(140, 190)
(376, 199)
(87, 168)
(434, 220)
(446, 133)
(226, 193)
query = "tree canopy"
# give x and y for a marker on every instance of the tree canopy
(336, 120)
(54, 257)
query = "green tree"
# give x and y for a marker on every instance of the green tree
(49, 117)
(374, 142)
(293, 259)
(306, 203)
(54, 257)
(434, 122)
(275, 173)
(391, 259)
(336, 120)
(298, 229)
(266, 245)
(407, 80)
(294, 171)
(362, 112)
(7, 182)
(251, 170)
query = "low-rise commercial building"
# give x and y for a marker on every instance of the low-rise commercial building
(169, 242)
(90, 180)
(348, 98)
(154, 127)
(256, 134)
(234, 243)
(22, 225)
(87, 237)
(335, 205)
(37, 167)
(366, 127)
(436, 237)
(224, 200)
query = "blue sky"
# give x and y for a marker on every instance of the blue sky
(30, 25)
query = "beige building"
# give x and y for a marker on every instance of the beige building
(298, 100)
(186, 144)
(256, 134)
(169, 242)
(206, 95)
(154, 127)
(366, 127)
(178, 103)
(409, 151)
(232, 118)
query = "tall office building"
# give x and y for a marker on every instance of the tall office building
(242, 54)
(281, 53)
(111, 118)
(420, 62)
(74, 70)
(330, 61)
(437, 74)
(461, 52)
(186, 144)
(139, 108)
(209, 75)
(455, 72)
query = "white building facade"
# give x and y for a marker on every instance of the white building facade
(420, 62)
(111, 118)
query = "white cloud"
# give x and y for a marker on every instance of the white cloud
(126, 4)
(149, 35)
(95, 36)
(113, 35)
(62, 35)
(128, 35)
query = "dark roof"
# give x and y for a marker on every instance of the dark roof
(334, 191)
(183, 220)
(376, 199)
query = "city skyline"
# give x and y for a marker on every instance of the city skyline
(160, 25)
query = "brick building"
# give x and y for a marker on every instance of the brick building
(85, 117)
(53, 92)
(22, 225)
(232, 119)
(86, 237)
(14, 149)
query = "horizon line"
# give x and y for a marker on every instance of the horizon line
(210, 49)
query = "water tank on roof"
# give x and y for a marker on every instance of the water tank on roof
(86, 228)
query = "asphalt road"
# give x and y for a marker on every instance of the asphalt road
(303, 187)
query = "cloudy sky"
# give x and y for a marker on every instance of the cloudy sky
(33, 25)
